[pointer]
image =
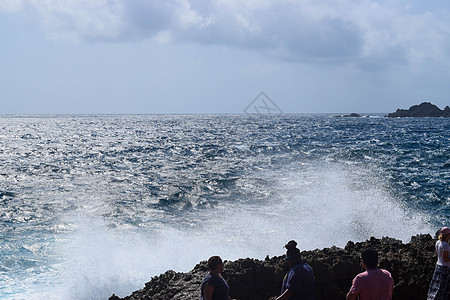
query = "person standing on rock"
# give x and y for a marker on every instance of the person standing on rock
(214, 287)
(298, 284)
(440, 284)
(374, 283)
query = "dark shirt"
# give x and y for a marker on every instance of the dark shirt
(300, 281)
(221, 288)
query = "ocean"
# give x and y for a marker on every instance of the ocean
(92, 205)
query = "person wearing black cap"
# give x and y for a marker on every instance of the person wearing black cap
(298, 284)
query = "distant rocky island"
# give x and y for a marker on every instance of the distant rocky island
(423, 110)
(411, 265)
(352, 115)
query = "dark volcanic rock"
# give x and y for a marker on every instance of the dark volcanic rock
(425, 109)
(352, 115)
(411, 266)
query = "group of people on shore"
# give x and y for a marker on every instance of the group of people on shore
(373, 283)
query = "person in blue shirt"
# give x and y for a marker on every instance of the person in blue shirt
(298, 284)
(214, 287)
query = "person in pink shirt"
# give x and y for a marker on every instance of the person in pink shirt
(374, 283)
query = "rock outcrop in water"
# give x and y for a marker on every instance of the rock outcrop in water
(425, 109)
(411, 266)
(352, 115)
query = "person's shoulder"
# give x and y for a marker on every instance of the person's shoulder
(386, 272)
(208, 277)
(388, 277)
(442, 245)
(299, 269)
(305, 265)
(302, 266)
(362, 275)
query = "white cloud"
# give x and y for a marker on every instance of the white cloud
(366, 33)
(86, 19)
(11, 5)
(189, 17)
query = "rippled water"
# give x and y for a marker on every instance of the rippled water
(95, 205)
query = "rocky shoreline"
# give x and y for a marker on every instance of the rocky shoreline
(411, 265)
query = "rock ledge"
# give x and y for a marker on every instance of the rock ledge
(411, 265)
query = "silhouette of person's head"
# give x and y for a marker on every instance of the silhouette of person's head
(293, 255)
(370, 258)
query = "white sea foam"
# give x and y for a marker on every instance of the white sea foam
(318, 206)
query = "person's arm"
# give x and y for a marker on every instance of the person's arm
(208, 291)
(351, 296)
(286, 295)
(355, 289)
(445, 256)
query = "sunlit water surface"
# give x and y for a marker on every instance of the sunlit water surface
(96, 205)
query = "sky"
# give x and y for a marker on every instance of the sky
(219, 56)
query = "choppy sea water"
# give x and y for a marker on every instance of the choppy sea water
(96, 205)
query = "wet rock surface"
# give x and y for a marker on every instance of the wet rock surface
(411, 265)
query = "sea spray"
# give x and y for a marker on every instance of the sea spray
(95, 205)
(319, 206)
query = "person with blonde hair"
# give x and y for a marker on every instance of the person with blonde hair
(440, 283)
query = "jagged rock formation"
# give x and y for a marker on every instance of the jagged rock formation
(425, 109)
(411, 266)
